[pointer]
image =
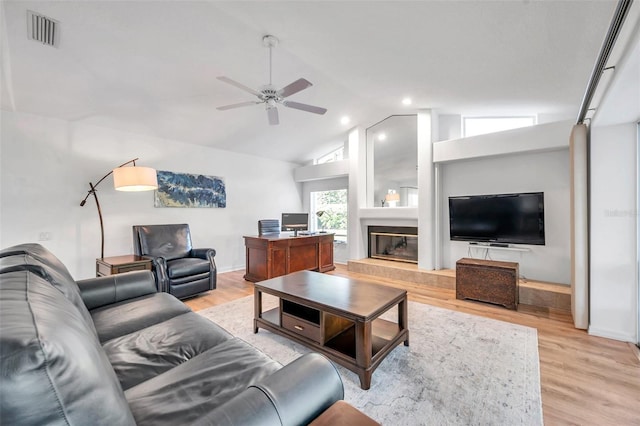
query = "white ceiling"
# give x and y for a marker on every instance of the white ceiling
(149, 67)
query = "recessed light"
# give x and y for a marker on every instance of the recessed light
(406, 101)
(382, 137)
(345, 120)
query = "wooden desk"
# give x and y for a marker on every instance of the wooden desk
(119, 264)
(270, 256)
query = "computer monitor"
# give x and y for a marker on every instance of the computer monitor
(295, 222)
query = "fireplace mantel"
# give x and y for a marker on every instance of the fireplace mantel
(389, 213)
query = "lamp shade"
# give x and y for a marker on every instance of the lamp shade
(392, 196)
(135, 178)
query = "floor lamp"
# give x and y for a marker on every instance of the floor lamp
(124, 179)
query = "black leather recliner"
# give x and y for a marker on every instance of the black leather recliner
(179, 269)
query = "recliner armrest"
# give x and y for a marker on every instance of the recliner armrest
(203, 253)
(293, 395)
(96, 292)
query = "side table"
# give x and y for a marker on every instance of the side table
(343, 414)
(119, 264)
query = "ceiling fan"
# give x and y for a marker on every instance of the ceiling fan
(269, 95)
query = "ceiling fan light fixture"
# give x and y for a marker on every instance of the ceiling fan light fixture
(269, 95)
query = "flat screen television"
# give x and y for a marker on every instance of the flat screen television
(501, 218)
(295, 222)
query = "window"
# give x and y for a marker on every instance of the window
(329, 208)
(473, 126)
(336, 155)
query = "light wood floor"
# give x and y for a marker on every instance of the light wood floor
(585, 380)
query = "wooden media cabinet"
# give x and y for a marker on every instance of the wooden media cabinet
(488, 281)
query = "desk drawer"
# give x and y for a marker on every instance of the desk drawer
(301, 327)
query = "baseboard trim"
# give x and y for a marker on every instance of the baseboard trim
(610, 334)
(230, 269)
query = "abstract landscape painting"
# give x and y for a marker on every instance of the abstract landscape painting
(189, 190)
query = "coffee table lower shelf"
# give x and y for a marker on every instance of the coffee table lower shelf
(381, 337)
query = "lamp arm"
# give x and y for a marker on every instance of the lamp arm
(93, 191)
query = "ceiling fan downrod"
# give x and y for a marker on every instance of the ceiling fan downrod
(270, 42)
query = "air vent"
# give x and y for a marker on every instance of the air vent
(42, 29)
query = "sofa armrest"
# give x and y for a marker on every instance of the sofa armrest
(102, 291)
(293, 395)
(160, 270)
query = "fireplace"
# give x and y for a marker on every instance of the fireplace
(398, 243)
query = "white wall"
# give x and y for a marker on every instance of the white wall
(46, 165)
(542, 137)
(322, 171)
(529, 159)
(546, 172)
(450, 127)
(613, 280)
(614, 196)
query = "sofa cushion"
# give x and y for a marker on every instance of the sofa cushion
(187, 266)
(144, 354)
(196, 387)
(53, 369)
(131, 315)
(39, 260)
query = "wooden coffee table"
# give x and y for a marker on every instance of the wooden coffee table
(336, 316)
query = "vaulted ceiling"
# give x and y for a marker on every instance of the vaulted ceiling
(150, 67)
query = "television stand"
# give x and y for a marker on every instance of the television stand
(492, 247)
(488, 281)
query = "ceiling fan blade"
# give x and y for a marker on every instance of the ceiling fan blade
(295, 87)
(272, 115)
(238, 85)
(238, 105)
(304, 107)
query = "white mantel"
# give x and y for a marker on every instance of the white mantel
(389, 213)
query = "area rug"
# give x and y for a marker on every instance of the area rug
(459, 369)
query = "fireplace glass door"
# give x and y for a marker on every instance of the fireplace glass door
(399, 247)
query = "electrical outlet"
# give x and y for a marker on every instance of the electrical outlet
(45, 236)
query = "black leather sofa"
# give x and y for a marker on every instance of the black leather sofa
(180, 269)
(114, 351)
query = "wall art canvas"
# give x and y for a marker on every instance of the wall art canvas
(190, 190)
